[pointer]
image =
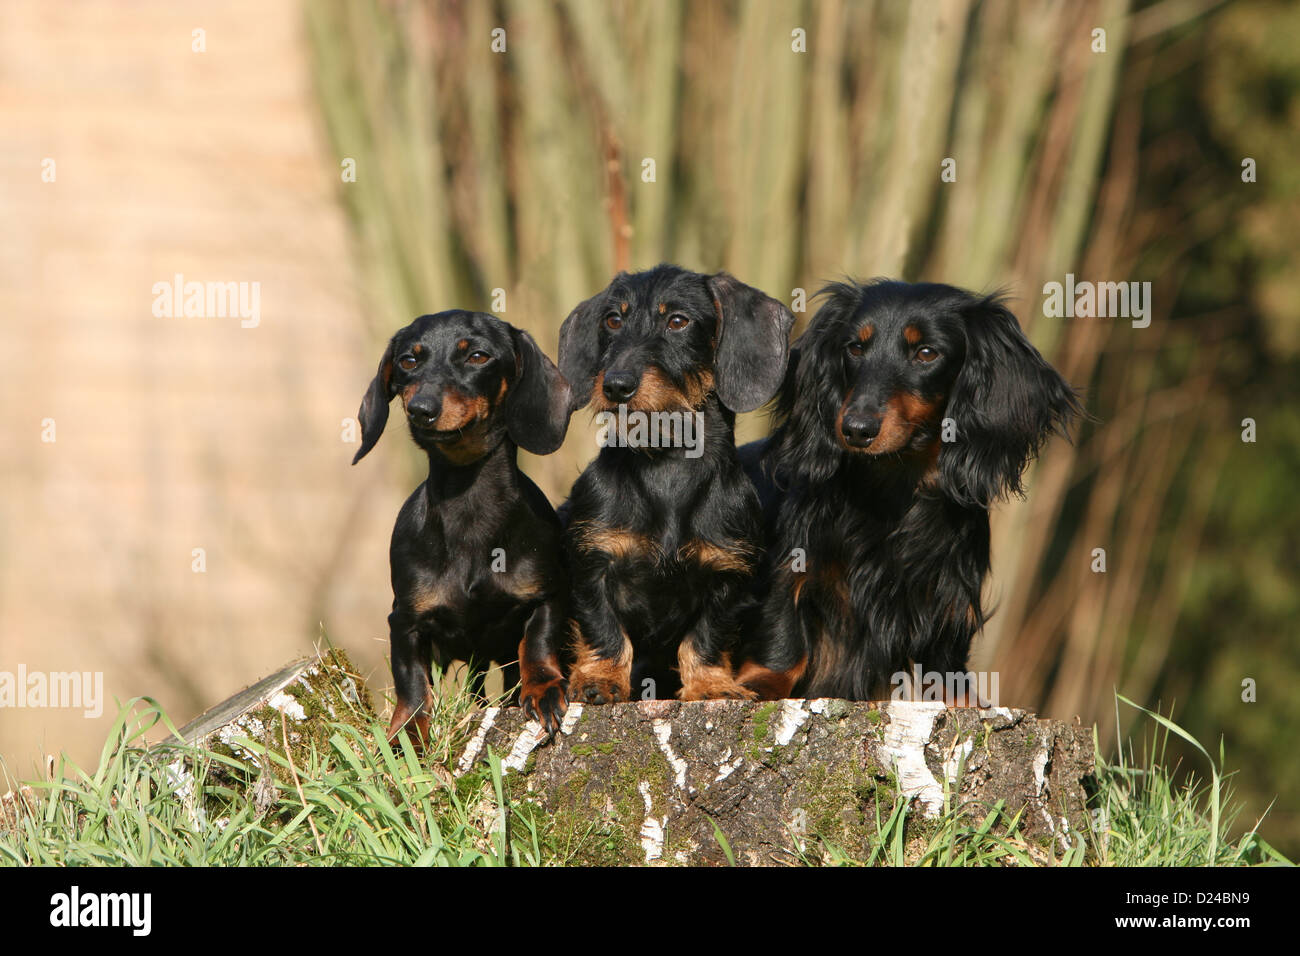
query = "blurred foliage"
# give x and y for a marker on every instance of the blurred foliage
(524, 171)
(1223, 90)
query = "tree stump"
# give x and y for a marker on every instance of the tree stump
(288, 713)
(651, 779)
(647, 782)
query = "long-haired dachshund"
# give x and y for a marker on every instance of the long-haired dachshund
(911, 408)
(476, 563)
(664, 528)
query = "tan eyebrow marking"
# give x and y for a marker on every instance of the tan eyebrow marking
(463, 344)
(866, 332)
(623, 307)
(912, 334)
(662, 308)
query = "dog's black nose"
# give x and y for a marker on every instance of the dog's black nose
(423, 411)
(620, 386)
(859, 430)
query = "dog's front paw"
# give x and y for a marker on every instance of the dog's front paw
(714, 683)
(414, 721)
(594, 689)
(545, 702)
(736, 692)
(717, 690)
(596, 679)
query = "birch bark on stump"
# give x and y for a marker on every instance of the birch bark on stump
(650, 779)
(646, 782)
(289, 713)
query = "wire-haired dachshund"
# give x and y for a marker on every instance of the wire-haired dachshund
(664, 528)
(476, 558)
(910, 409)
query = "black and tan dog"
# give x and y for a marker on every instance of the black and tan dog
(664, 529)
(476, 564)
(879, 520)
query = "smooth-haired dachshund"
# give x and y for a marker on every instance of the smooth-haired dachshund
(476, 560)
(910, 409)
(664, 528)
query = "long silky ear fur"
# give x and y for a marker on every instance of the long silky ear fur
(805, 449)
(373, 415)
(540, 401)
(753, 343)
(1006, 403)
(578, 342)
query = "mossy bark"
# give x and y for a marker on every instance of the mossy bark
(286, 715)
(646, 782)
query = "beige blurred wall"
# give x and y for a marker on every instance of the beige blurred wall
(173, 434)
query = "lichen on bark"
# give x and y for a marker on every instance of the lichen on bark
(646, 782)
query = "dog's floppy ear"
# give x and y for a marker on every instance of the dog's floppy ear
(579, 339)
(1006, 402)
(753, 343)
(789, 382)
(374, 404)
(540, 401)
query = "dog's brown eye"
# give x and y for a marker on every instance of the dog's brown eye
(678, 321)
(856, 348)
(613, 321)
(477, 358)
(407, 362)
(926, 354)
